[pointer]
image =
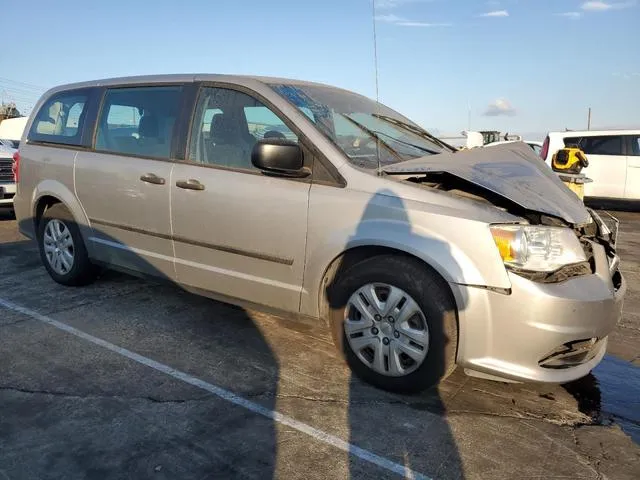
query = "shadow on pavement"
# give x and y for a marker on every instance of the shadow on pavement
(231, 458)
(243, 453)
(373, 433)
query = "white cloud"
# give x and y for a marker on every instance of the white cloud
(389, 4)
(570, 14)
(405, 22)
(496, 13)
(423, 24)
(626, 76)
(390, 18)
(500, 107)
(386, 4)
(595, 6)
(598, 6)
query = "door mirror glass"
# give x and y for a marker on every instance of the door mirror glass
(279, 156)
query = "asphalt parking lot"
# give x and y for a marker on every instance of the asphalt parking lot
(128, 378)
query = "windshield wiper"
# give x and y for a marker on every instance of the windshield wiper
(416, 130)
(373, 134)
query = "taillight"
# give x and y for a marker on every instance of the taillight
(545, 149)
(16, 166)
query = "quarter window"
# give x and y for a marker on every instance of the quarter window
(138, 121)
(61, 119)
(228, 124)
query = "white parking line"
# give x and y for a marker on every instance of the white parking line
(230, 397)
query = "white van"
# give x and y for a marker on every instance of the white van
(614, 160)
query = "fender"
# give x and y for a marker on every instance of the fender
(452, 263)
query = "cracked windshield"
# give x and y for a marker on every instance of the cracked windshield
(369, 133)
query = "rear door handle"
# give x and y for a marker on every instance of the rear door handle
(190, 184)
(152, 178)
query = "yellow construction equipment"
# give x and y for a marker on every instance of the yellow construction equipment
(568, 164)
(569, 160)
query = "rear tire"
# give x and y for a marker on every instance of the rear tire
(434, 326)
(62, 249)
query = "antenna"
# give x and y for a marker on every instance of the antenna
(375, 64)
(375, 47)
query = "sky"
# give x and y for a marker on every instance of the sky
(517, 66)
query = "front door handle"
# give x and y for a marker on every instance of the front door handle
(152, 178)
(190, 184)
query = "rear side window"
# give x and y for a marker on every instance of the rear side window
(61, 119)
(138, 121)
(602, 145)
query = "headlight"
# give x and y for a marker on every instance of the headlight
(537, 248)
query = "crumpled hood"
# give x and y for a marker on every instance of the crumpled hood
(512, 171)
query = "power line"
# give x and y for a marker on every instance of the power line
(24, 84)
(17, 93)
(20, 90)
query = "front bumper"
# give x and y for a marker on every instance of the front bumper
(7, 192)
(540, 332)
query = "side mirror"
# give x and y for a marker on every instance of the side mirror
(279, 156)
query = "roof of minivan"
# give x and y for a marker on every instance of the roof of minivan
(181, 77)
(591, 133)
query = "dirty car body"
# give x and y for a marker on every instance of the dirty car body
(526, 276)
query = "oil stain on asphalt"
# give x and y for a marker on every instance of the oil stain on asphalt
(611, 394)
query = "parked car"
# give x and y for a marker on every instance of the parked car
(7, 182)
(12, 129)
(419, 257)
(535, 146)
(9, 143)
(614, 160)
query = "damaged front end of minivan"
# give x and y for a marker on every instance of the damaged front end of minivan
(566, 287)
(512, 178)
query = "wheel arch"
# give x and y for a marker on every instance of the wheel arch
(446, 333)
(43, 203)
(352, 256)
(50, 192)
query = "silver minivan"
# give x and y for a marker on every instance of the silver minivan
(307, 200)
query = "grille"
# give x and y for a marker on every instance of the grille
(6, 172)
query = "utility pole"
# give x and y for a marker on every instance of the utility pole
(589, 120)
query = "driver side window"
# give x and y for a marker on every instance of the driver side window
(228, 124)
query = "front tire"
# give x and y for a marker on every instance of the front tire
(395, 321)
(62, 249)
